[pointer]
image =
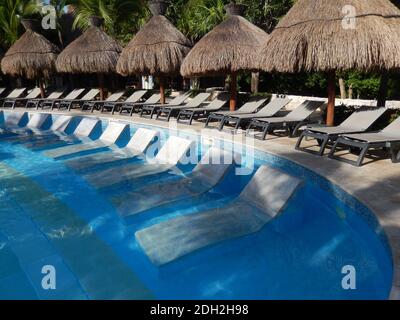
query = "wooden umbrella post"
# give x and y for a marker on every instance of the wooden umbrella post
(232, 102)
(162, 90)
(330, 118)
(101, 87)
(41, 86)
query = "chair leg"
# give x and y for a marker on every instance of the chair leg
(131, 113)
(395, 154)
(265, 131)
(221, 124)
(323, 145)
(300, 140)
(191, 118)
(361, 157)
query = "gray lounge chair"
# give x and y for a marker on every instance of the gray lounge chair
(138, 144)
(50, 103)
(9, 101)
(248, 108)
(149, 110)
(166, 112)
(2, 91)
(135, 107)
(35, 103)
(359, 121)
(270, 110)
(96, 104)
(264, 198)
(170, 155)
(212, 168)
(69, 104)
(292, 122)
(191, 114)
(388, 138)
(113, 132)
(133, 98)
(21, 102)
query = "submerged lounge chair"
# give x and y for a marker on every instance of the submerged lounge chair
(263, 199)
(132, 107)
(149, 110)
(113, 132)
(9, 101)
(212, 168)
(171, 153)
(359, 121)
(133, 98)
(249, 107)
(292, 122)
(388, 138)
(191, 114)
(270, 110)
(138, 144)
(35, 103)
(166, 112)
(50, 103)
(99, 103)
(69, 104)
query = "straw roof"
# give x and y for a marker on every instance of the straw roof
(231, 46)
(31, 56)
(157, 49)
(93, 52)
(316, 36)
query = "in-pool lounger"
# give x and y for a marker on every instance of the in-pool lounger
(171, 153)
(270, 110)
(212, 168)
(132, 107)
(249, 107)
(10, 100)
(264, 198)
(138, 144)
(51, 103)
(113, 132)
(359, 121)
(292, 122)
(190, 114)
(149, 110)
(166, 112)
(36, 122)
(388, 138)
(14, 120)
(97, 104)
(114, 106)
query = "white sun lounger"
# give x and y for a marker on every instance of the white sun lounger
(36, 103)
(212, 168)
(172, 152)
(110, 136)
(133, 98)
(263, 199)
(138, 144)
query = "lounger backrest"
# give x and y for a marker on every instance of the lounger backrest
(141, 139)
(155, 98)
(198, 100)
(2, 90)
(306, 109)
(252, 105)
(393, 129)
(136, 96)
(179, 99)
(214, 164)
(61, 123)
(173, 150)
(55, 95)
(74, 94)
(90, 95)
(363, 118)
(270, 190)
(16, 93)
(37, 120)
(219, 101)
(15, 118)
(114, 131)
(115, 96)
(273, 107)
(33, 94)
(86, 127)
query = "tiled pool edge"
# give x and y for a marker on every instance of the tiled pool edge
(317, 165)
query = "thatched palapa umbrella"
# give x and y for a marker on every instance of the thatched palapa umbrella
(229, 48)
(32, 56)
(326, 35)
(94, 52)
(157, 49)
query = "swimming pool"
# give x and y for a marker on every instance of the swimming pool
(55, 214)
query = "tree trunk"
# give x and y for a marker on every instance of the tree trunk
(162, 90)
(383, 89)
(342, 87)
(330, 117)
(101, 87)
(255, 82)
(41, 85)
(232, 102)
(351, 91)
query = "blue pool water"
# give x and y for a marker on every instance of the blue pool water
(50, 215)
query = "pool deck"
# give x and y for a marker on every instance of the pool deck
(376, 184)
